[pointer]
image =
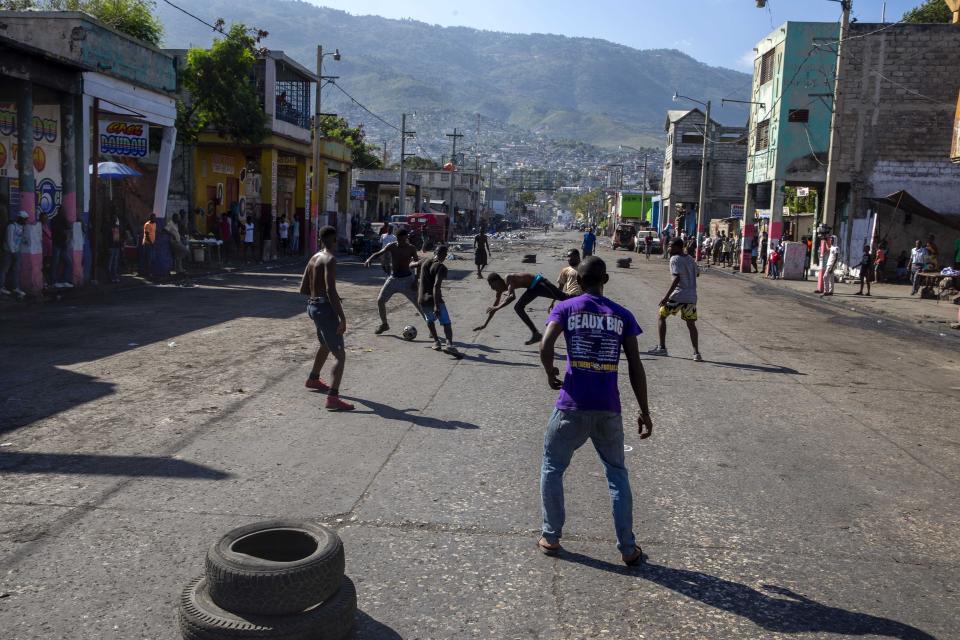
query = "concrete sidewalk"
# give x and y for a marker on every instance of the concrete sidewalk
(886, 300)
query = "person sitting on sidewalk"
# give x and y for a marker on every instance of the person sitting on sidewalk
(595, 330)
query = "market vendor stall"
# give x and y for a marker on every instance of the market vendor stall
(203, 251)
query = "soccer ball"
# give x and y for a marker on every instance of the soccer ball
(409, 332)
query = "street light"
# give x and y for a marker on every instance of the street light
(703, 165)
(315, 182)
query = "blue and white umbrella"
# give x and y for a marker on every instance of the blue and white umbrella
(115, 170)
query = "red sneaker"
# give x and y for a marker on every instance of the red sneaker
(334, 403)
(317, 384)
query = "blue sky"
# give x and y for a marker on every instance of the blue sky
(718, 32)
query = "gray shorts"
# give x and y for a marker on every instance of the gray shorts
(402, 284)
(327, 322)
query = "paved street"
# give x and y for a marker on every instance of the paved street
(800, 483)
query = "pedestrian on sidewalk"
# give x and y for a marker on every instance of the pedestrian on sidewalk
(754, 252)
(116, 246)
(178, 249)
(918, 258)
(880, 262)
(866, 261)
(46, 248)
(325, 309)
(284, 235)
(226, 228)
(295, 236)
(403, 259)
(14, 240)
(249, 242)
(832, 256)
(595, 330)
(430, 298)
(148, 244)
(62, 235)
(681, 298)
(775, 258)
(536, 287)
(764, 257)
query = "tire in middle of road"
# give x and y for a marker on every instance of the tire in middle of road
(276, 567)
(200, 618)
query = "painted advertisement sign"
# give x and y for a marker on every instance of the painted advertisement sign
(46, 152)
(635, 205)
(121, 138)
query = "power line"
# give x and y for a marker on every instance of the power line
(362, 106)
(198, 19)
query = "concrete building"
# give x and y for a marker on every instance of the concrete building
(73, 93)
(898, 90)
(682, 161)
(272, 178)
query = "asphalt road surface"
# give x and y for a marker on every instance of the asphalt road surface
(800, 483)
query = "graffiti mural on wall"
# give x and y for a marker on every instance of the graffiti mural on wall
(46, 152)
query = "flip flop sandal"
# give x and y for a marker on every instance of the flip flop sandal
(548, 551)
(635, 559)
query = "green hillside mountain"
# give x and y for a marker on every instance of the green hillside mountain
(567, 88)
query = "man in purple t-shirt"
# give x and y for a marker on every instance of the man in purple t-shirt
(595, 329)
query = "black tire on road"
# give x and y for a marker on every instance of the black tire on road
(275, 567)
(200, 618)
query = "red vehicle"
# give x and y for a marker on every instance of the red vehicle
(431, 226)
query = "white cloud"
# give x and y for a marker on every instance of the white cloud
(745, 62)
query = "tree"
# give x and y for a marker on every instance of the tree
(132, 17)
(929, 11)
(527, 197)
(222, 90)
(365, 156)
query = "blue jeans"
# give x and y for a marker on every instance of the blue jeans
(775, 270)
(10, 264)
(61, 256)
(113, 263)
(567, 431)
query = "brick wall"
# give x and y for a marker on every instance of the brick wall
(899, 91)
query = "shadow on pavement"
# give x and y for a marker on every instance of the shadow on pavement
(38, 343)
(760, 368)
(366, 628)
(101, 465)
(409, 415)
(483, 359)
(792, 613)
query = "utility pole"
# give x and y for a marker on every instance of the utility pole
(702, 202)
(316, 184)
(453, 162)
(402, 209)
(830, 188)
(643, 190)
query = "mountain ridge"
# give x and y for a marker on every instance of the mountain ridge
(569, 87)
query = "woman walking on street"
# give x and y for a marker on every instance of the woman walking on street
(481, 249)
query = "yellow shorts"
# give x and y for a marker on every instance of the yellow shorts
(687, 311)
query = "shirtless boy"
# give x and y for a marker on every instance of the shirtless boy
(403, 259)
(324, 308)
(536, 287)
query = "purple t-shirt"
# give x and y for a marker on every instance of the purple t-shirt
(594, 329)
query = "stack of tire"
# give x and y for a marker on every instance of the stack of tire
(274, 579)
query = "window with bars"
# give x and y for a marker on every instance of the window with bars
(798, 115)
(767, 66)
(692, 138)
(761, 138)
(293, 102)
